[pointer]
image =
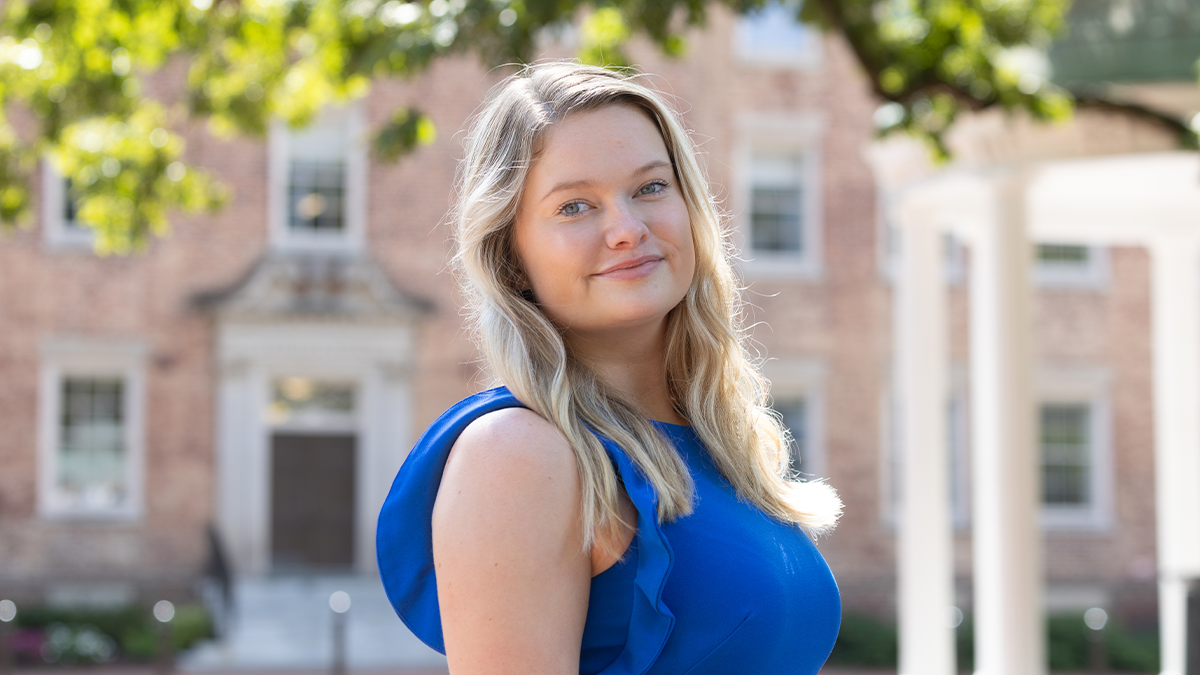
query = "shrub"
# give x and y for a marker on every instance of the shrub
(58, 635)
(864, 641)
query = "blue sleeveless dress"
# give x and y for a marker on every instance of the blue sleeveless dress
(724, 590)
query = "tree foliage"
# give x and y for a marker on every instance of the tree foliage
(75, 68)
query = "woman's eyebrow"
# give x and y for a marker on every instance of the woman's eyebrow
(586, 182)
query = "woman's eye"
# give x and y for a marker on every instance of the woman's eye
(572, 208)
(653, 187)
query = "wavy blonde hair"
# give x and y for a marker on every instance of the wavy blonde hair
(713, 382)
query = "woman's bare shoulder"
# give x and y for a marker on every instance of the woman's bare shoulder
(507, 543)
(509, 444)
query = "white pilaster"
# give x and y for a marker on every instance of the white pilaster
(925, 555)
(237, 426)
(1009, 631)
(1176, 309)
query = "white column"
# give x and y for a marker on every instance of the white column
(236, 407)
(1176, 308)
(925, 555)
(1009, 631)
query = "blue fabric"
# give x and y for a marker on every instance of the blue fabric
(724, 590)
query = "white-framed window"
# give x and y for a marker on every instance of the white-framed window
(318, 182)
(91, 429)
(1065, 265)
(798, 395)
(778, 195)
(772, 36)
(61, 227)
(957, 447)
(1074, 423)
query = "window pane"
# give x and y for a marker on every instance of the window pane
(795, 418)
(71, 208)
(773, 31)
(305, 401)
(315, 194)
(1063, 254)
(775, 219)
(776, 202)
(91, 450)
(1066, 454)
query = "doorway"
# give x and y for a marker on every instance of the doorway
(312, 502)
(314, 460)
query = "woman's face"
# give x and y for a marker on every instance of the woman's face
(602, 228)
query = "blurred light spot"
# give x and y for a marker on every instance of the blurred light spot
(1029, 83)
(954, 617)
(1095, 618)
(297, 388)
(438, 7)
(254, 91)
(1196, 123)
(164, 611)
(202, 5)
(47, 70)
(110, 167)
(176, 171)
(508, 17)
(339, 602)
(888, 115)
(444, 34)
(8, 610)
(294, 80)
(131, 88)
(43, 32)
(30, 55)
(120, 62)
(56, 93)
(310, 206)
(159, 137)
(397, 13)
(306, 44)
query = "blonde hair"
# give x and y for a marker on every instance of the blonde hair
(713, 382)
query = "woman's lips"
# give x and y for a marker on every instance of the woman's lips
(634, 268)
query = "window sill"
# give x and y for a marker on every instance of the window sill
(1075, 521)
(784, 267)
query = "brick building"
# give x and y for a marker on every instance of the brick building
(266, 369)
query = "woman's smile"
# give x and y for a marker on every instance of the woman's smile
(629, 270)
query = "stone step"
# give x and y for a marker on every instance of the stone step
(286, 623)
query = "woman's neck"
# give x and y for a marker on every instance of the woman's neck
(633, 365)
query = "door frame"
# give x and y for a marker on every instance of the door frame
(378, 359)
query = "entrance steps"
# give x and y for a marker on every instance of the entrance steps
(286, 623)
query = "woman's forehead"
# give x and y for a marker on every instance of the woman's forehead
(596, 139)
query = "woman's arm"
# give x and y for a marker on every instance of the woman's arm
(512, 576)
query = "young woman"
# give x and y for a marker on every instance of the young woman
(623, 504)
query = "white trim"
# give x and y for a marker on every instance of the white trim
(808, 55)
(1088, 386)
(791, 132)
(83, 357)
(352, 237)
(55, 232)
(804, 378)
(1093, 275)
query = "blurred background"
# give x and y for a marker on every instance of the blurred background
(967, 228)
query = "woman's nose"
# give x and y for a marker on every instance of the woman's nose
(624, 229)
